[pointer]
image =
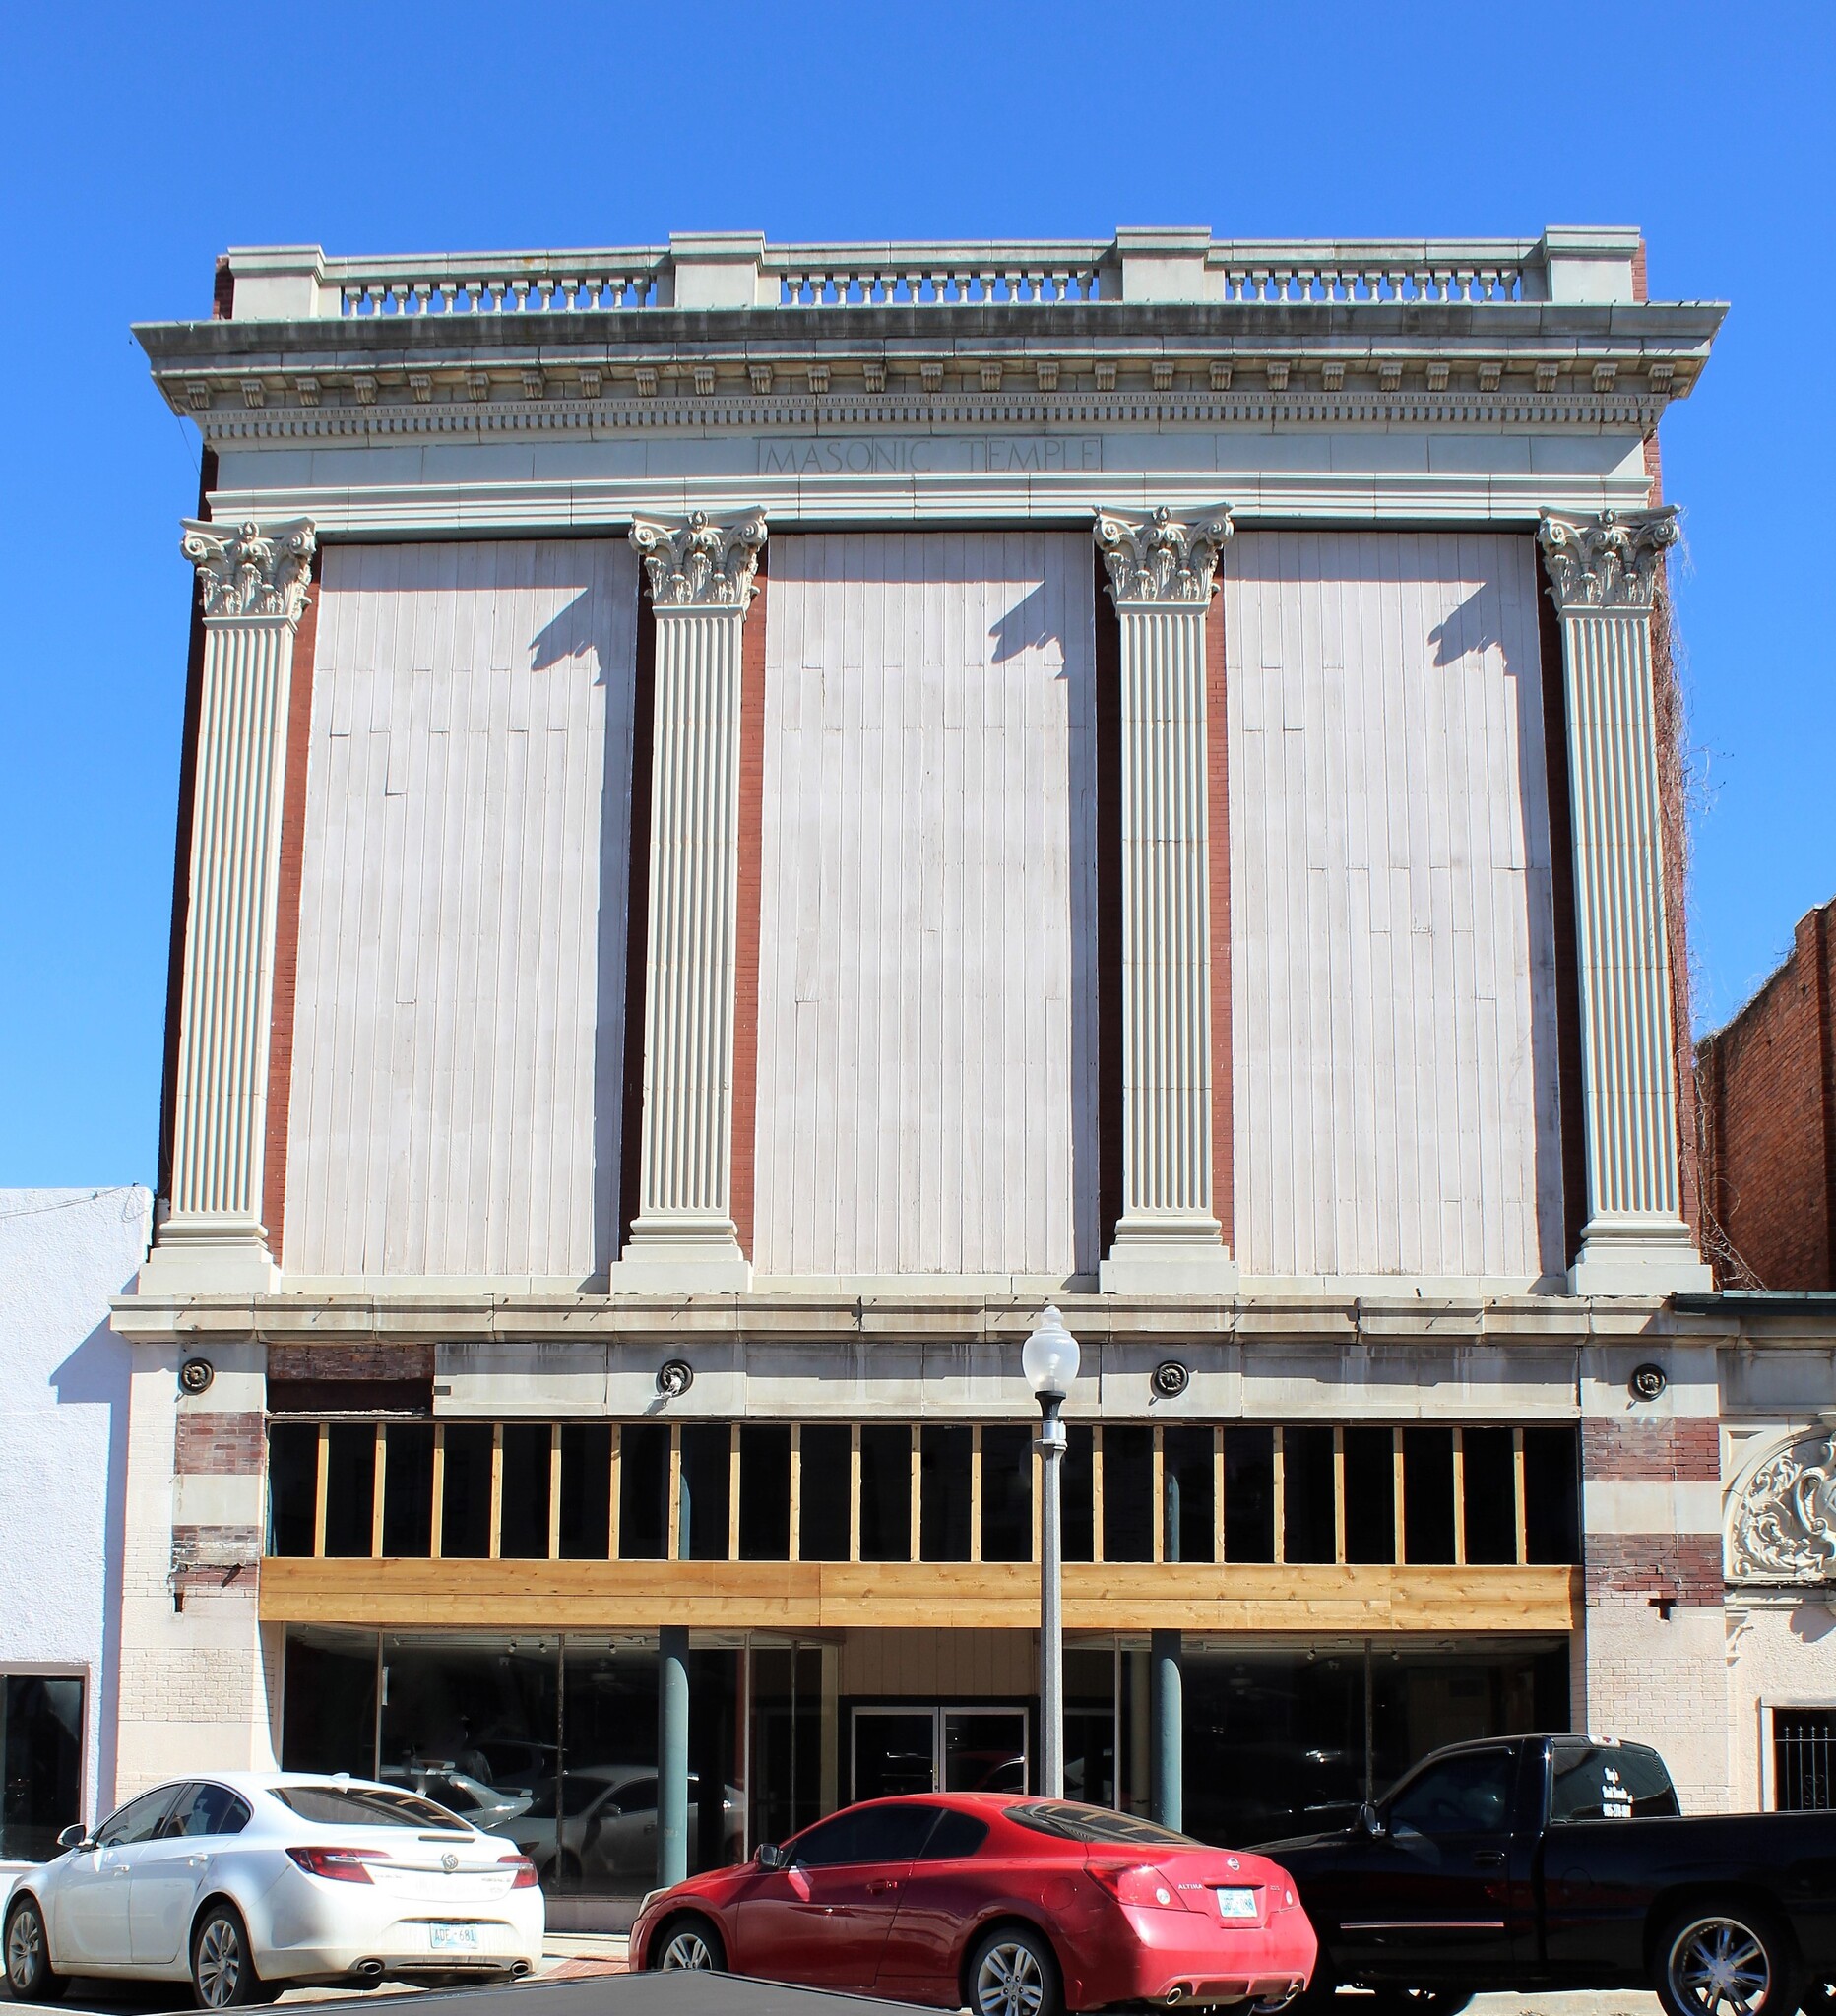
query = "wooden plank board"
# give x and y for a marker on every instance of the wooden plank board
(1195, 1596)
(459, 1031)
(1393, 981)
(928, 994)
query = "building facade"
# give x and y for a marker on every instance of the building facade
(754, 813)
(64, 1393)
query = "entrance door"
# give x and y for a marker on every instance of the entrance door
(968, 1748)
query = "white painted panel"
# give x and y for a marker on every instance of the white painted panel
(1393, 994)
(458, 1044)
(927, 1094)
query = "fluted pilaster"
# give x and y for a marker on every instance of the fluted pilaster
(253, 582)
(1602, 575)
(702, 584)
(1162, 576)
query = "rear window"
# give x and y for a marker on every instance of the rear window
(956, 1836)
(358, 1806)
(1095, 1825)
(1609, 1782)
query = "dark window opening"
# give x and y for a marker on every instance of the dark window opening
(1369, 1495)
(1552, 1495)
(824, 1492)
(1007, 1500)
(524, 1524)
(764, 1492)
(705, 1491)
(885, 1493)
(1306, 1494)
(643, 1491)
(586, 1490)
(41, 1754)
(292, 1487)
(465, 1511)
(1427, 1494)
(1803, 1760)
(1127, 1494)
(1186, 1494)
(1489, 1490)
(1249, 1494)
(350, 1488)
(944, 1492)
(408, 1490)
(1077, 1518)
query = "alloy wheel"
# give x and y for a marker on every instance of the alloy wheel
(1718, 1966)
(219, 1964)
(24, 1950)
(1010, 1980)
(687, 1949)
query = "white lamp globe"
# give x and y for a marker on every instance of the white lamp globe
(1048, 1357)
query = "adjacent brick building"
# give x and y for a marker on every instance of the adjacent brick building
(1766, 1083)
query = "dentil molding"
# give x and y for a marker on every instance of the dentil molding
(701, 564)
(1161, 559)
(1607, 562)
(252, 572)
(1782, 1524)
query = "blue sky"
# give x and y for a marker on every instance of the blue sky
(136, 145)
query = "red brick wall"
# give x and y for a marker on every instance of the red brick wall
(1657, 1451)
(218, 1444)
(290, 1361)
(1218, 788)
(287, 920)
(1768, 1100)
(749, 894)
(1686, 1566)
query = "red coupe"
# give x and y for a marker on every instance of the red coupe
(1002, 1904)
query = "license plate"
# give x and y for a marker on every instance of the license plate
(454, 1938)
(1237, 1904)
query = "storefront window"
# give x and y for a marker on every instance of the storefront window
(42, 1746)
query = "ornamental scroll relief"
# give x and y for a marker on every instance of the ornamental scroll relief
(1782, 1523)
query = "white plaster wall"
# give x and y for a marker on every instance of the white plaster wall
(64, 1379)
(458, 1051)
(1393, 966)
(1781, 1654)
(926, 1078)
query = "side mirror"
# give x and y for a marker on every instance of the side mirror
(1370, 1821)
(769, 1855)
(75, 1836)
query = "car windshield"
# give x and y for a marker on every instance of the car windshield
(365, 1806)
(1098, 1826)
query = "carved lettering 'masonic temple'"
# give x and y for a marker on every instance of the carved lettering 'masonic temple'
(754, 813)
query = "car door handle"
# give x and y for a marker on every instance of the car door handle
(880, 1885)
(1488, 1859)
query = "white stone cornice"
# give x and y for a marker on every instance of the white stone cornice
(700, 565)
(253, 570)
(1606, 564)
(1161, 559)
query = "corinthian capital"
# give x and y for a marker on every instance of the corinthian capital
(252, 572)
(1160, 559)
(1608, 562)
(700, 565)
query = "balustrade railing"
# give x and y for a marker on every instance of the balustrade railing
(746, 273)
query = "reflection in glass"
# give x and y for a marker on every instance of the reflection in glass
(41, 1753)
(985, 1749)
(329, 1702)
(787, 1740)
(1090, 1726)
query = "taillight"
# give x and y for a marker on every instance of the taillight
(1139, 1883)
(525, 1868)
(341, 1865)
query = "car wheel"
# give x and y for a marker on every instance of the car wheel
(1732, 1962)
(222, 1970)
(1014, 1973)
(28, 1955)
(688, 1944)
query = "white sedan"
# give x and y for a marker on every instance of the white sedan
(250, 1882)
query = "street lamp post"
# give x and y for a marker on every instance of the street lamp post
(1049, 1360)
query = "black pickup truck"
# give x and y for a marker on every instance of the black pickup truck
(1555, 1862)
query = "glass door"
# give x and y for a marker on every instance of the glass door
(970, 1748)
